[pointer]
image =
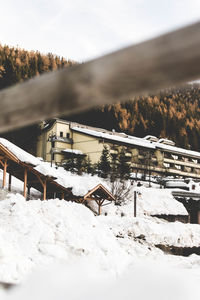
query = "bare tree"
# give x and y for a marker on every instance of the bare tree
(122, 191)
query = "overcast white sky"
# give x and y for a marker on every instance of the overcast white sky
(84, 29)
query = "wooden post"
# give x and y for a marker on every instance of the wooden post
(45, 190)
(198, 217)
(63, 196)
(4, 173)
(25, 182)
(99, 208)
(135, 203)
(9, 182)
(29, 191)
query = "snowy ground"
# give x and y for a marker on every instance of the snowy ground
(56, 249)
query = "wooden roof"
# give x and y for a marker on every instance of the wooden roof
(102, 191)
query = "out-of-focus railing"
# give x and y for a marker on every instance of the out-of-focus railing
(168, 60)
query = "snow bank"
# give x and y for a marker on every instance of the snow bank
(149, 281)
(154, 231)
(37, 233)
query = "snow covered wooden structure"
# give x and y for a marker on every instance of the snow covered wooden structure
(99, 194)
(20, 164)
(39, 175)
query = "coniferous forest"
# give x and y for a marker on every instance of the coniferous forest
(173, 113)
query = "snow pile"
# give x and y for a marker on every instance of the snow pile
(37, 233)
(19, 153)
(154, 231)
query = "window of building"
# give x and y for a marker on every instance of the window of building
(53, 144)
(68, 135)
(61, 133)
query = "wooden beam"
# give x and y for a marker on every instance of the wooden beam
(63, 195)
(40, 180)
(9, 182)
(25, 182)
(170, 59)
(45, 190)
(1, 162)
(4, 173)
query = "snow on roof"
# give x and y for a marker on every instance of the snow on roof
(166, 142)
(22, 155)
(74, 151)
(177, 150)
(159, 202)
(131, 140)
(80, 185)
(146, 142)
(151, 138)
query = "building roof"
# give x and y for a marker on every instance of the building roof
(114, 136)
(132, 140)
(129, 140)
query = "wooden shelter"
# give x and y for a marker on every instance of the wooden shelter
(46, 184)
(98, 194)
(32, 178)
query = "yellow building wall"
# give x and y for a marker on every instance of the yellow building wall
(88, 145)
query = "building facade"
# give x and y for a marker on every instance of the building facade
(60, 140)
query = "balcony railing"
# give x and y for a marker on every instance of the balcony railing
(57, 138)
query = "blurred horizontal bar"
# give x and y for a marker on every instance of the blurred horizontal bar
(170, 59)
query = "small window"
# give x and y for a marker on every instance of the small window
(53, 144)
(68, 135)
(61, 133)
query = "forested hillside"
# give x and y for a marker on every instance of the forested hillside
(173, 113)
(18, 65)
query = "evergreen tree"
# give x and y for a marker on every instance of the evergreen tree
(114, 168)
(123, 166)
(70, 165)
(104, 163)
(88, 168)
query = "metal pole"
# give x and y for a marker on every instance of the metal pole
(135, 203)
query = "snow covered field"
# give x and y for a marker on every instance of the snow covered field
(51, 247)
